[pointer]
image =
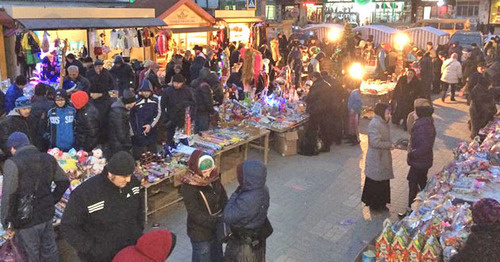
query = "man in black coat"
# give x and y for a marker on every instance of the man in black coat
(71, 60)
(81, 82)
(87, 123)
(337, 100)
(318, 106)
(122, 73)
(407, 90)
(40, 105)
(426, 72)
(101, 82)
(30, 172)
(438, 62)
(174, 101)
(18, 120)
(204, 107)
(474, 78)
(119, 136)
(105, 213)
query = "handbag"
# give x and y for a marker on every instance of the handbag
(23, 208)
(223, 230)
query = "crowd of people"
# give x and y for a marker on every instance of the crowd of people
(105, 214)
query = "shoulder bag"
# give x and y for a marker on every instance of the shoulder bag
(223, 230)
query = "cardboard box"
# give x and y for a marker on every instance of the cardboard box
(286, 143)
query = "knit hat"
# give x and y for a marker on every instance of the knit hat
(146, 86)
(421, 102)
(22, 102)
(98, 62)
(121, 164)
(156, 245)
(486, 211)
(17, 140)
(178, 78)
(79, 99)
(118, 60)
(61, 93)
(69, 85)
(128, 97)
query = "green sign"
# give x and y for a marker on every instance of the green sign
(362, 2)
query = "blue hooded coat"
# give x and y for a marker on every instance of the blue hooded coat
(62, 127)
(13, 93)
(248, 205)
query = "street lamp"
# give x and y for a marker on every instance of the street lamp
(334, 34)
(356, 71)
(401, 40)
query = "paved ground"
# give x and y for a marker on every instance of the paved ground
(315, 201)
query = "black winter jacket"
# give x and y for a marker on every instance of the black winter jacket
(16, 123)
(87, 128)
(175, 101)
(426, 69)
(198, 64)
(123, 76)
(318, 100)
(101, 83)
(422, 138)
(101, 219)
(204, 100)
(119, 128)
(200, 225)
(483, 245)
(40, 105)
(147, 111)
(2, 104)
(82, 83)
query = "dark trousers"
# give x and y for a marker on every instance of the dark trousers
(417, 180)
(454, 87)
(202, 123)
(207, 251)
(310, 143)
(436, 85)
(39, 242)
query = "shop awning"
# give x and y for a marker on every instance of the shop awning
(193, 29)
(83, 23)
(243, 20)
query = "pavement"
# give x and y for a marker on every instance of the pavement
(316, 207)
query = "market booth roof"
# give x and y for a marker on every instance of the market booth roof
(238, 16)
(193, 29)
(82, 23)
(165, 8)
(421, 35)
(381, 33)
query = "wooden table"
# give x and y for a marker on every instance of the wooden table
(257, 134)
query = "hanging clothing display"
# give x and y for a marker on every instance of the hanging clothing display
(46, 42)
(113, 39)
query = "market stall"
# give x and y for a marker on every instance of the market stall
(441, 219)
(325, 31)
(94, 32)
(376, 91)
(241, 25)
(421, 35)
(380, 33)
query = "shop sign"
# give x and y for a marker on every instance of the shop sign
(184, 15)
(251, 4)
(495, 12)
(338, 1)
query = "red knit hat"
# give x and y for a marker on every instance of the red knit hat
(79, 99)
(154, 246)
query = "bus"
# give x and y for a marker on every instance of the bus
(448, 25)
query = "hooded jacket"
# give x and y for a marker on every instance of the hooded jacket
(198, 64)
(12, 94)
(482, 108)
(87, 126)
(154, 246)
(123, 75)
(318, 101)
(147, 111)
(201, 226)
(423, 135)
(101, 83)
(248, 205)
(378, 163)
(100, 219)
(119, 128)
(175, 101)
(451, 71)
(62, 127)
(204, 100)
(16, 123)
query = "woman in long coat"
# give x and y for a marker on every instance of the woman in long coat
(407, 90)
(378, 162)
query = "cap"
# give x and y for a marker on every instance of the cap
(17, 140)
(69, 85)
(61, 93)
(22, 102)
(121, 164)
(128, 97)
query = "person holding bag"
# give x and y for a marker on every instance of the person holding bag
(246, 213)
(204, 198)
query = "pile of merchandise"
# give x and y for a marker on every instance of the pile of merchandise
(441, 219)
(377, 87)
(153, 168)
(217, 139)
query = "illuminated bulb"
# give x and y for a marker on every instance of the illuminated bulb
(334, 34)
(401, 40)
(356, 71)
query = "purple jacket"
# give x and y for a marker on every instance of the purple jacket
(423, 135)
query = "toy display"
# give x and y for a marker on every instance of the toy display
(377, 87)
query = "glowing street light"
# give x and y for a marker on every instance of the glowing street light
(334, 34)
(356, 71)
(401, 40)
(440, 3)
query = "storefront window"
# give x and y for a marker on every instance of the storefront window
(270, 12)
(340, 11)
(291, 12)
(387, 12)
(314, 13)
(232, 4)
(186, 41)
(467, 9)
(239, 32)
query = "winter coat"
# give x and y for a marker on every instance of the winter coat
(147, 111)
(40, 105)
(20, 173)
(201, 226)
(422, 138)
(123, 76)
(248, 205)
(378, 163)
(62, 127)
(175, 101)
(100, 219)
(404, 96)
(295, 59)
(492, 74)
(2, 104)
(317, 100)
(101, 83)
(204, 100)
(355, 103)
(153, 79)
(103, 105)
(456, 49)
(198, 64)
(213, 80)
(451, 71)
(426, 69)
(14, 122)
(474, 79)
(87, 127)
(482, 108)
(11, 95)
(82, 83)
(483, 244)
(81, 69)
(119, 136)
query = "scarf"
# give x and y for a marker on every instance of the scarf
(194, 175)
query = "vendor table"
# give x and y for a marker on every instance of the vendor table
(284, 130)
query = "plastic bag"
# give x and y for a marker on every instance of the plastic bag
(10, 252)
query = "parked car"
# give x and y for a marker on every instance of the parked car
(466, 38)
